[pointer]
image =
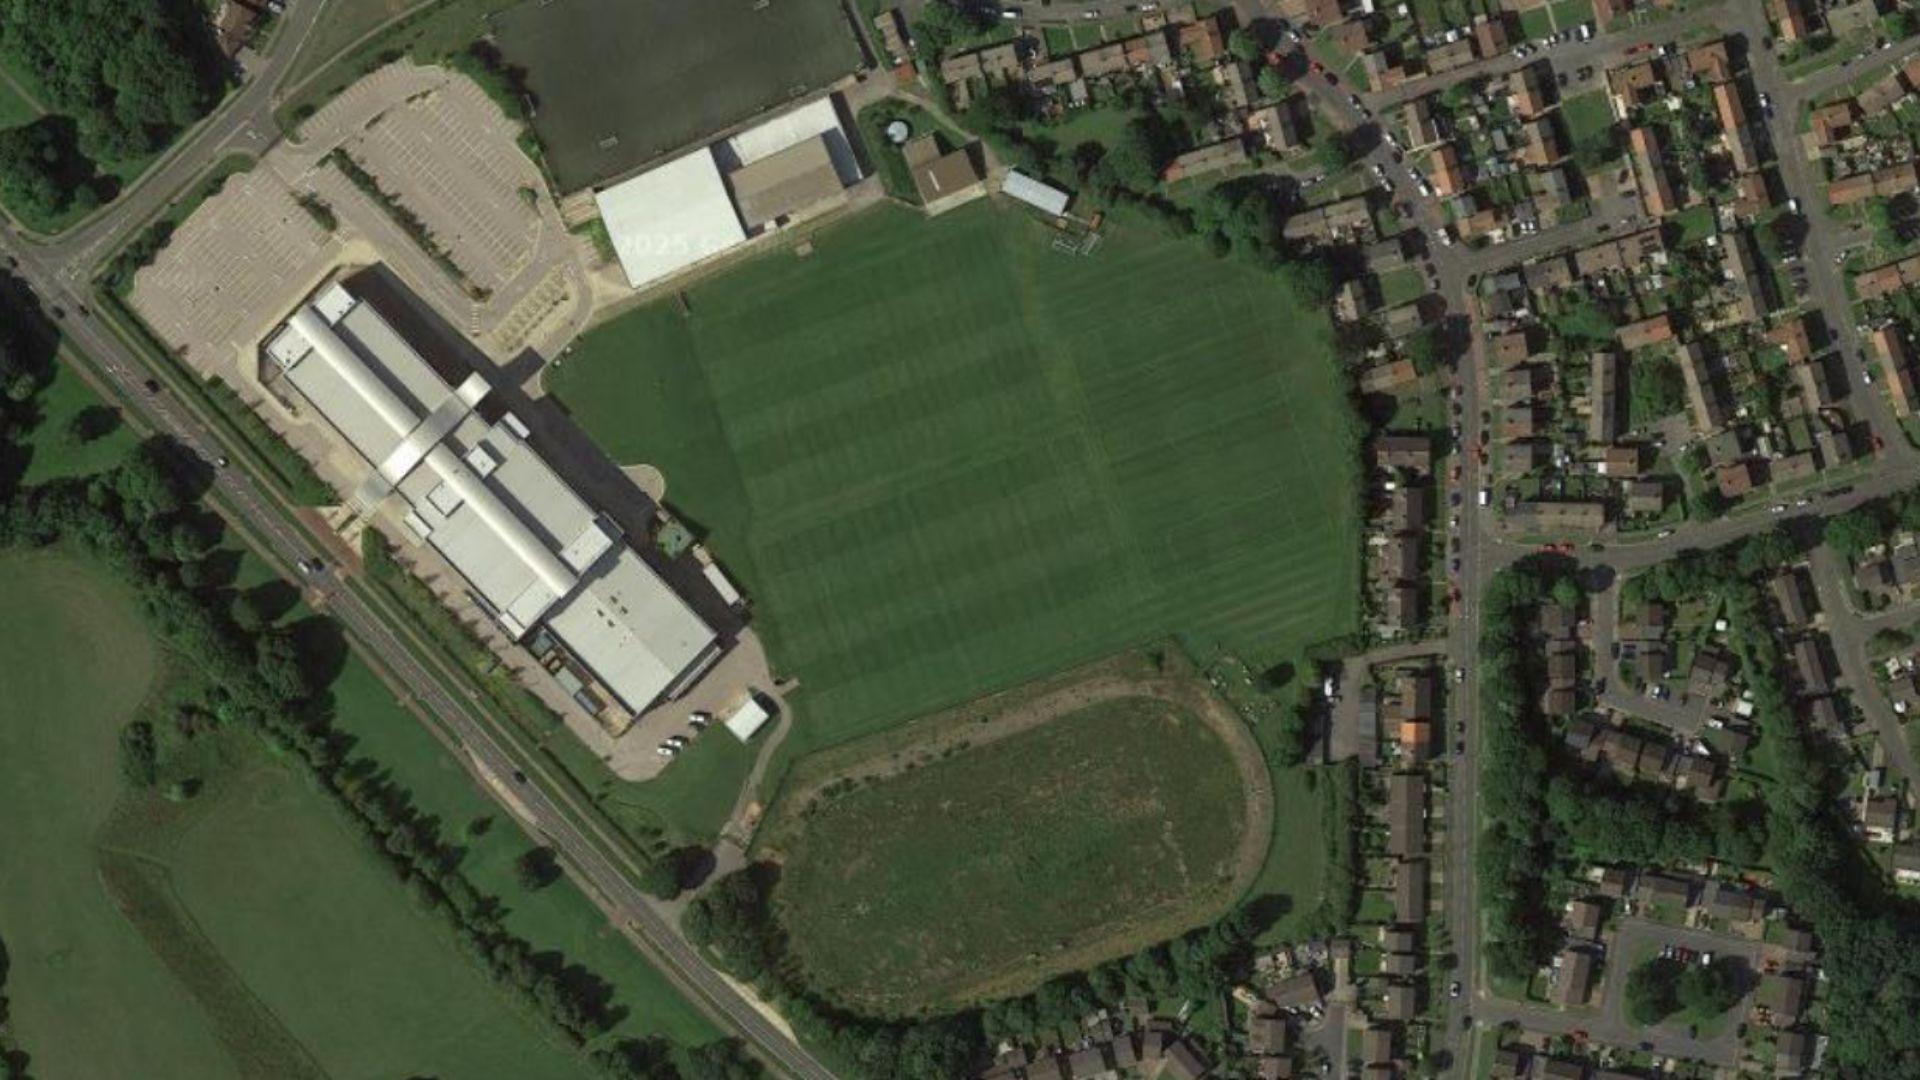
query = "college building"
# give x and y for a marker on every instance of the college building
(556, 575)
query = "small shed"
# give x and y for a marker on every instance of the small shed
(748, 718)
(1045, 198)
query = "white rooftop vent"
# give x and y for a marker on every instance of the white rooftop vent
(482, 460)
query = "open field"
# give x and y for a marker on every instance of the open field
(946, 459)
(313, 962)
(558, 917)
(975, 853)
(79, 662)
(361, 978)
(710, 66)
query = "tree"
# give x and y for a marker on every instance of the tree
(1243, 45)
(1335, 151)
(1653, 991)
(42, 172)
(130, 73)
(1310, 280)
(666, 876)
(1707, 990)
(1852, 533)
(536, 868)
(1272, 85)
(1141, 153)
(91, 423)
(1656, 389)
(139, 756)
(277, 661)
(722, 1060)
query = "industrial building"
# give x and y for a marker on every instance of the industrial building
(795, 166)
(556, 575)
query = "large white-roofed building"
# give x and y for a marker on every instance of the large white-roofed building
(670, 218)
(541, 561)
(674, 216)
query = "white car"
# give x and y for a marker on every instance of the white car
(1425, 189)
(666, 751)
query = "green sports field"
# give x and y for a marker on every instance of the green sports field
(702, 68)
(946, 458)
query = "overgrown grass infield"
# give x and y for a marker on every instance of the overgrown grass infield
(946, 458)
(1016, 838)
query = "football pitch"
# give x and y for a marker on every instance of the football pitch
(946, 458)
(619, 82)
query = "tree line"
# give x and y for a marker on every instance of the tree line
(1869, 934)
(734, 921)
(143, 520)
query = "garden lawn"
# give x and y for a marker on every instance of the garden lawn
(1588, 117)
(945, 458)
(941, 882)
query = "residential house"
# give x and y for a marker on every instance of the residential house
(1810, 665)
(1555, 516)
(1645, 498)
(1650, 168)
(1585, 917)
(1406, 815)
(1708, 408)
(1656, 330)
(1881, 817)
(1603, 396)
(1781, 997)
(1574, 983)
(1790, 596)
(1403, 451)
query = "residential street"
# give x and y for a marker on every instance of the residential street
(1850, 635)
(1484, 551)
